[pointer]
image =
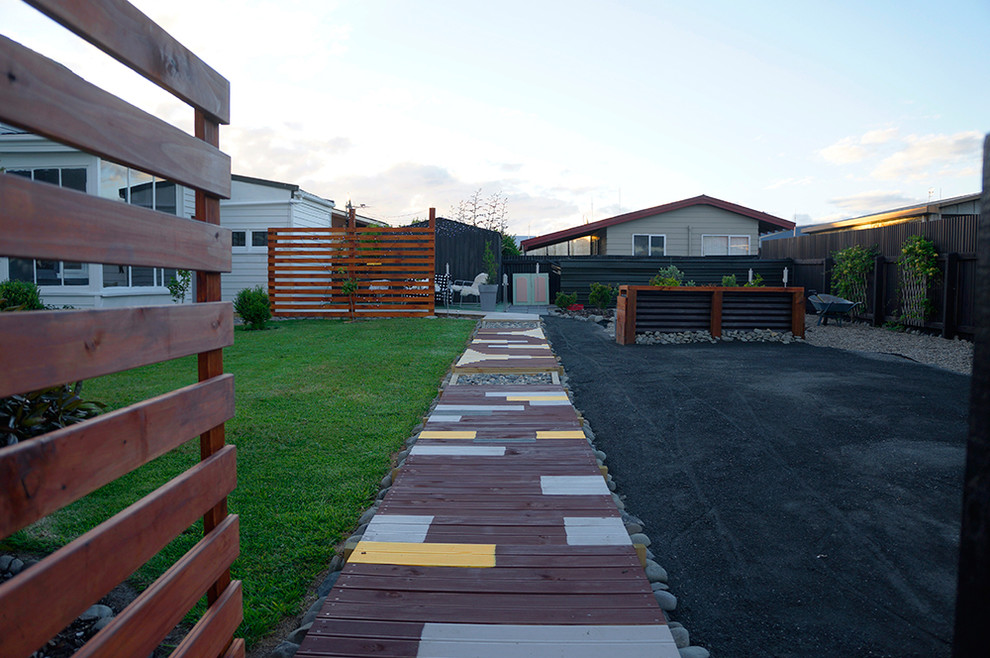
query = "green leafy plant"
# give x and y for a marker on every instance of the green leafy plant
(757, 282)
(32, 414)
(850, 271)
(252, 305)
(491, 265)
(729, 281)
(565, 299)
(20, 296)
(509, 246)
(918, 268)
(668, 276)
(179, 285)
(602, 295)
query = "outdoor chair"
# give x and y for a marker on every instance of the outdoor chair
(470, 288)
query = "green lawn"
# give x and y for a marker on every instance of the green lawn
(321, 406)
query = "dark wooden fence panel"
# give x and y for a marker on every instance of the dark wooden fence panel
(462, 247)
(43, 348)
(951, 234)
(393, 270)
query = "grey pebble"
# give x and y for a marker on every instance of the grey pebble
(297, 636)
(314, 610)
(665, 599)
(284, 650)
(15, 567)
(101, 624)
(633, 528)
(98, 611)
(5, 561)
(655, 573)
(640, 538)
(327, 584)
(694, 652)
(681, 636)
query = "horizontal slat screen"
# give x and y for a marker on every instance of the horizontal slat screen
(46, 98)
(107, 555)
(56, 223)
(393, 270)
(144, 623)
(84, 344)
(44, 474)
(209, 636)
(122, 31)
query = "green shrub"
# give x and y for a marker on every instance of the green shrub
(729, 281)
(39, 412)
(850, 271)
(602, 295)
(252, 305)
(20, 296)
(918, 269)
(179, 285)
(757, 282)
(668, 276)
(565, 299)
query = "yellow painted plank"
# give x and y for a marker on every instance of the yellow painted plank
(559, 434)
(533, 398)
(424, 555)
(448, 434)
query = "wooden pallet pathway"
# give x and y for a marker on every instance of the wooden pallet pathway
(499, 536)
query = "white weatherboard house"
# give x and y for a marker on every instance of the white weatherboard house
(254, 206)
(699, 226)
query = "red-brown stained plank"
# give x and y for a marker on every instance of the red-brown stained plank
(354, 645)
(122, 31)
(477, 609)
(237, 649)
(403, 630)
(211, 633)
(142, 625)
(45, 348)
(547, 580)
(48, 222)
(46, 98)
(144, 528)
(44, 474)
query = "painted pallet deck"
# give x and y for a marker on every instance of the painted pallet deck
(498, 537)
(511, 350)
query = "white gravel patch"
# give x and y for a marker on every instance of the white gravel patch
(955, 355)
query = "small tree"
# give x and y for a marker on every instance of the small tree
(918, 268)
(849, 274)
(179, 285)
(491, 265)
(602, 296)
(509, 246)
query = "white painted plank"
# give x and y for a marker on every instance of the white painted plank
(410, 528)
(440, 640)
(458, 451)
(596, 531)
(573, 485)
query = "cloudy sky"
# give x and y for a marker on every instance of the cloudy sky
(581, 110)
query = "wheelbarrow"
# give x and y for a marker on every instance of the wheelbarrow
(830, 305)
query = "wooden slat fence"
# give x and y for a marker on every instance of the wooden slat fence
(48, 348)
(392, 270)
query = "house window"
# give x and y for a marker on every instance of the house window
(649, 245)
(724, 245)
(52, 272)
(141, 189)
(246, 242)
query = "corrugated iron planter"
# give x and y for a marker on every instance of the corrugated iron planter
(706, 308)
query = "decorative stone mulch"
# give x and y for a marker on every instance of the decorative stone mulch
(485, 379)
(510, 324)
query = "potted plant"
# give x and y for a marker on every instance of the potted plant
(489, 290)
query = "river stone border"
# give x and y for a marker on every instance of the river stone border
(655, 573)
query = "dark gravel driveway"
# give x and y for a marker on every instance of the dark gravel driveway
(805, 500)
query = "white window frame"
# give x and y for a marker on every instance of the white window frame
(649, 237)
(728, 236)
(249, 247)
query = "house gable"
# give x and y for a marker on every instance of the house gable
(682, 230)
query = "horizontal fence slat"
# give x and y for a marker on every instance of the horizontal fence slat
(46, 473)
(213, 631)
(237, 649)
(123, 32)
(95, 562)
(60, 224)
(143, 624)
(46, 348)
(46, 98)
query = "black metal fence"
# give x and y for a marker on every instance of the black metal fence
(577, 273)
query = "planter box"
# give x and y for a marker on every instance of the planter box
(672, 309)
(488, 295)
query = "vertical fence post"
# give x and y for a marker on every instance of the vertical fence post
(715, 319)
(950, 287)
(827, 276)
(433, 270)
(210, 363)
(625, 316)
(797, 312)
(879, 301)
(972, 633)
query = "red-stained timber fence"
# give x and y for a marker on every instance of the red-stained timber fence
(355, 272)
(48, 348)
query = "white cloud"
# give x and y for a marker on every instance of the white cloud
(880, 136)
(872, 201)
(790, 182)
(930, 155)
(845, 151)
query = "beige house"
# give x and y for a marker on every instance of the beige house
(699, 226)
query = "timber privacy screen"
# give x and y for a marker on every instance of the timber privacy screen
(40, 349)
(356, 272)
